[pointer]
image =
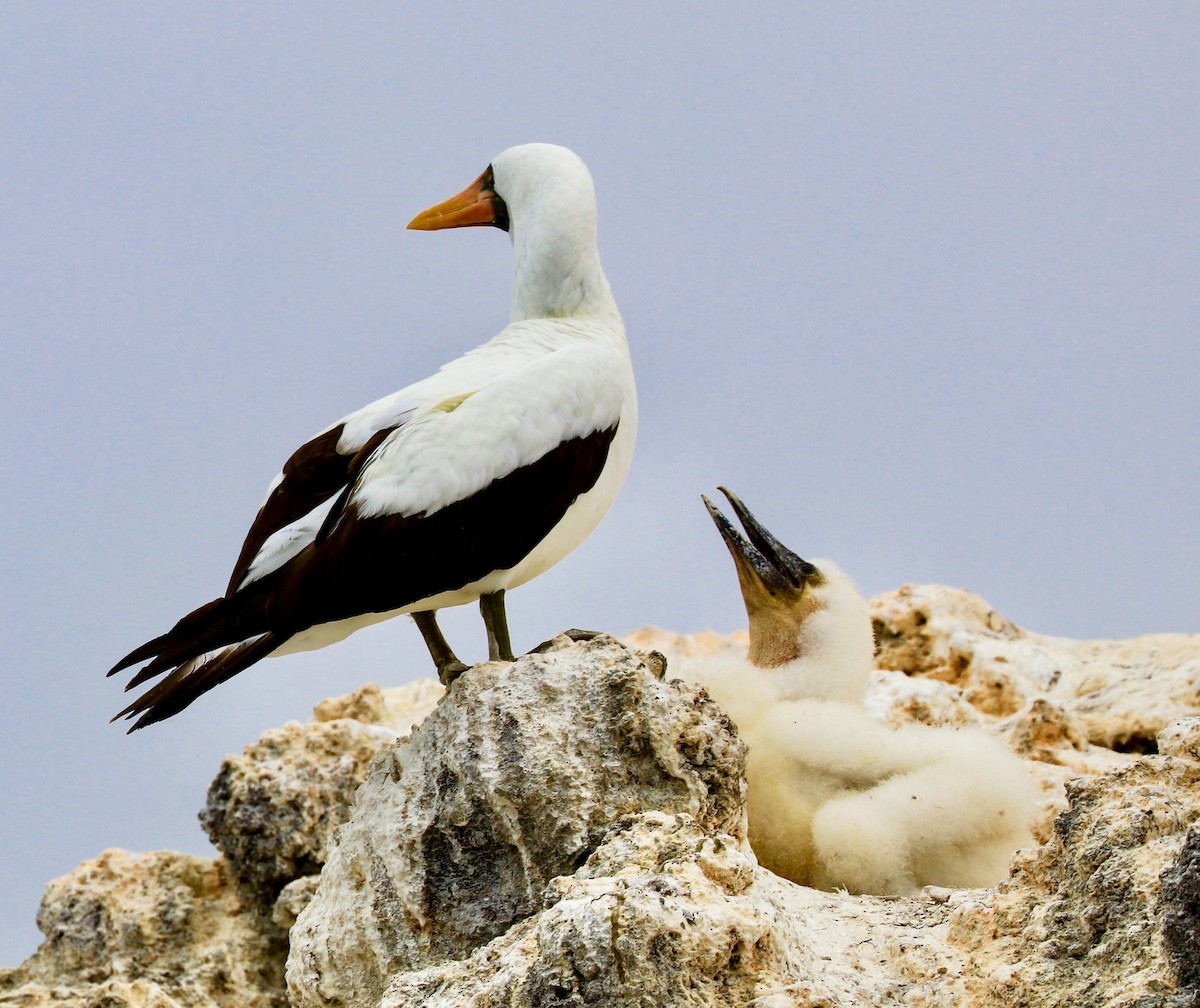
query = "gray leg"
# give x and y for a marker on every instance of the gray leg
(492, 609)
(448, 666)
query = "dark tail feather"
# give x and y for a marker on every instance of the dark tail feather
(186, 627)
(223, 621)
(195, 678)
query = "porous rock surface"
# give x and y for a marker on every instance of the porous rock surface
(1122, 692)
(149, 930)
(272, 809)
(569, 831)
(1107, 913)
(510, 783)
(665, 912)
(164, 929)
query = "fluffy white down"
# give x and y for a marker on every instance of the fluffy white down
(836, 644)
(838, 800)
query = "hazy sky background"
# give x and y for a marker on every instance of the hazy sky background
(919, 281)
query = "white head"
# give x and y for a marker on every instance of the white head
(809, 626)
(543, 196)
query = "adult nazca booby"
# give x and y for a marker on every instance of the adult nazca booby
(461, 486)
(836, 799)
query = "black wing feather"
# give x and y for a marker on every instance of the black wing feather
(189, 681)
(313, 474)
(359, 565)
(385, 562)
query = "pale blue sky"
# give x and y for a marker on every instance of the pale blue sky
(919, 281)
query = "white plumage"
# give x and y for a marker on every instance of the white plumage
(456, 488)
(837, 799)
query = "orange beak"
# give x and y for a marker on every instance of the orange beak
(476, 206)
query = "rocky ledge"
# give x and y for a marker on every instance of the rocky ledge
(570, 830)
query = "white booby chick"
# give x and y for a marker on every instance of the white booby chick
(836, 799)
(457, 488)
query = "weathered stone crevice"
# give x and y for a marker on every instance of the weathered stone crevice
(1181, 916)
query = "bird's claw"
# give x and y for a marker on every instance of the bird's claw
(574, 634)
(450, 671)
(578, 635)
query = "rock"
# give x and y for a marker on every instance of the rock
(510, 783)
(293, 898)
(1122, 692)
(681, 648)
(665, 912)
(1054, 744)
(1107, 912)
(165, 929)
(569, 831)
(1181, 738)
(271, 810)
(401, 708)
(897, 699)
(148, 930)
(659, 907)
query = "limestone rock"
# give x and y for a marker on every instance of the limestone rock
(1054, 744)
(271, 810)
(1122, 692)
(569, 831)
(680, 648)
(667, 913)
(166, 929)
(897, 699)
(511, 782)
(149, 930)
(1181, 738)
(400, 708)
(1108, 912)
(294, 897)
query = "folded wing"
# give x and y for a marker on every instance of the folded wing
(446, 497)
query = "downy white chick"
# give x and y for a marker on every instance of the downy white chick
(838, 800)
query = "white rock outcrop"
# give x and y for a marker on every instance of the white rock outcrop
(271, 810)
(165, 929)
(1106, 913)
(570, 830)
(511, 783)
(667, 913)
(151, 931)
(1122, 692)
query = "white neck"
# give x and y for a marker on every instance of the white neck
(836, 646)
(552, 221)
(557, 272)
